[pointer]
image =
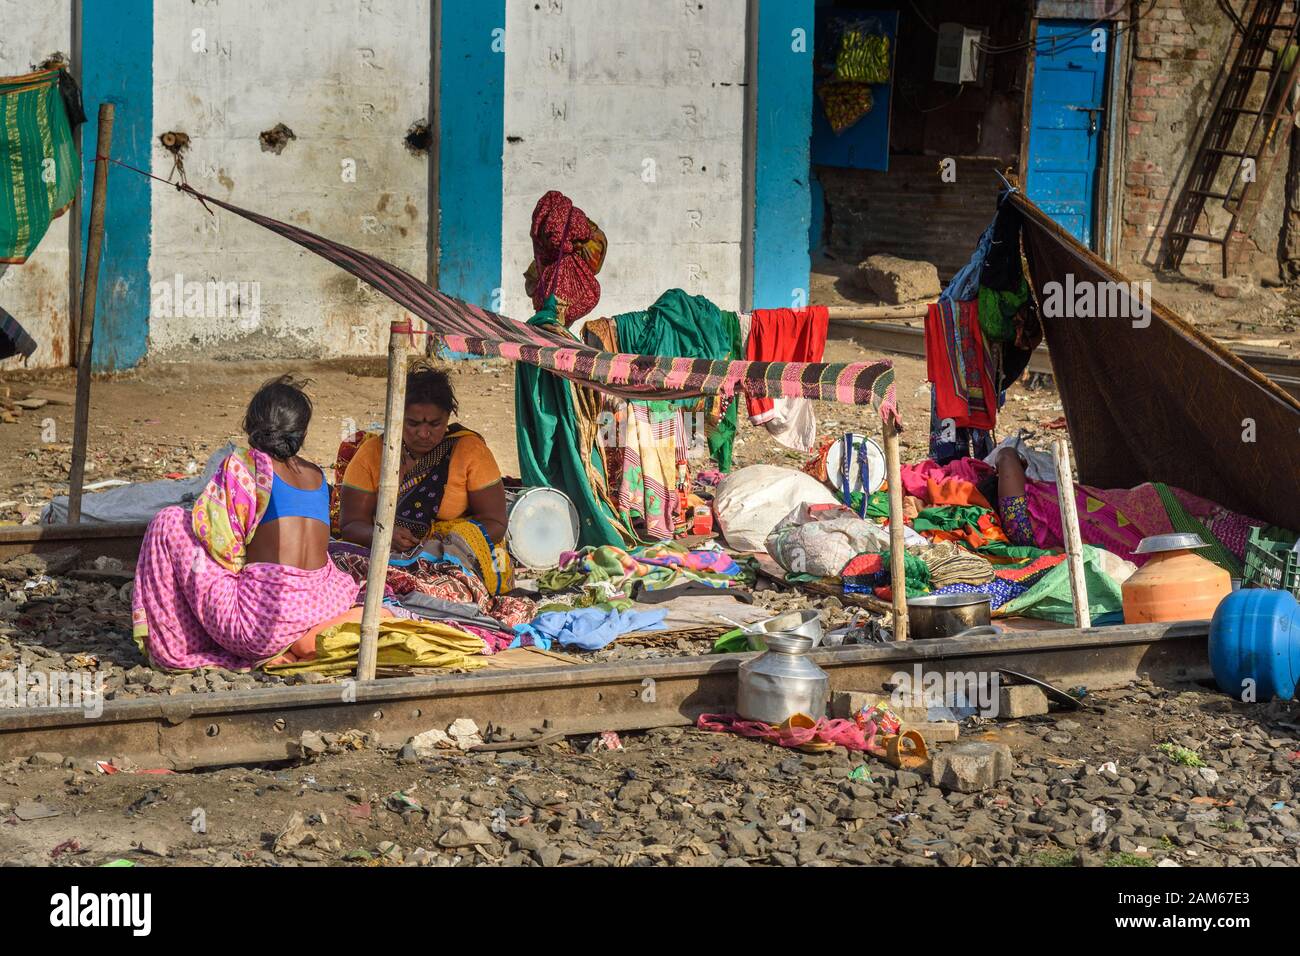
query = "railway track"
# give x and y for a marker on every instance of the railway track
(204, 730)
(111, 539)
(910, 340)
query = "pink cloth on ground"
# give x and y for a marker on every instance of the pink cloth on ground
(196, 613)
(966, 469)
(843, 733)
(1127, 515)
(493, 641)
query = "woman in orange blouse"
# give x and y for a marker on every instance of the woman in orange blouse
(449, 482)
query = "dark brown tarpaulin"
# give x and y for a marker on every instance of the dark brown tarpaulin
(1160, 401)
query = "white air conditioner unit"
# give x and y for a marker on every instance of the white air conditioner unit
(958, 59)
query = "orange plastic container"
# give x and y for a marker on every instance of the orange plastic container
(1175, 586)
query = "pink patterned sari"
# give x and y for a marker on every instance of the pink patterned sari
(197, 603)
(1117, 519)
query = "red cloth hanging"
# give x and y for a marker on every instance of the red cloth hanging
(960, 366)
(784, 335)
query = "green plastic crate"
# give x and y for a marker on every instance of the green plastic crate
(1271, 564)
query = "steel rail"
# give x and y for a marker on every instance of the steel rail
(224, 728)
(910, 340)
(116, 539)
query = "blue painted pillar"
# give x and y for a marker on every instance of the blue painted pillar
(117, 67)
(471, 116)
(783, 131)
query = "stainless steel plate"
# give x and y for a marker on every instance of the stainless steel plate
(1182, 541)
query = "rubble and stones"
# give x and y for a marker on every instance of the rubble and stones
(681, 797)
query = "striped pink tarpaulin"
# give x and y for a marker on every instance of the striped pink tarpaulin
(470, 329)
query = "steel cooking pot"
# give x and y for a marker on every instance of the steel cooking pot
(947, 615)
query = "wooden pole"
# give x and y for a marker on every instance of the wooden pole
(86, 331)
(386, 507)
(897, 577)
(1073, 538)
(876, 313)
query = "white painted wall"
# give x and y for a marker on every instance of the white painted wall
(349, 79)
(36, 292)
(594, 90)
(592, 97)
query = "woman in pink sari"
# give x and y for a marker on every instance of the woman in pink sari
(238, 579)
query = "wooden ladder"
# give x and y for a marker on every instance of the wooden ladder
(1236, 154)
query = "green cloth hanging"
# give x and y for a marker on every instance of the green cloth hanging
(723, 436)
(687, 326)
(546, 435)
(998, 310)
(40, 171)
(677, 324)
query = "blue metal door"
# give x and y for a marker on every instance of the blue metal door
(1065, 122)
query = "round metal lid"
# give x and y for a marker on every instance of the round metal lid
(1182, 541)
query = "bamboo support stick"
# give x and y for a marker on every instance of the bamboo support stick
(86, 330)
(386, 507)
(875, 313)
(897, 577)
(1073, 538)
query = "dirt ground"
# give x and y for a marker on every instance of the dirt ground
(165, 420)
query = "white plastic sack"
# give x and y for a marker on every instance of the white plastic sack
(1039, 465)
(822, 541)
(750, 502)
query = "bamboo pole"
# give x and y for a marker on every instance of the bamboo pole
(386, 507)
(876, 313)
(897, 577)
(86, 331)
(1073, 538)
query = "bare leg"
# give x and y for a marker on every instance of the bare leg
(1011, 474)
(1013, 506)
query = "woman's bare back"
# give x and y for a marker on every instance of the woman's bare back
(293, 541)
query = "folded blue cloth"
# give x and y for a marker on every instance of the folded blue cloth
(590, 628)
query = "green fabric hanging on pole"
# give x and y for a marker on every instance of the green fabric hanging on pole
(687, 326)
(550, 451)
(677, 324)
(723, 436)
(40, 171)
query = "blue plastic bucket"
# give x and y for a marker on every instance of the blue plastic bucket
(1255, 644)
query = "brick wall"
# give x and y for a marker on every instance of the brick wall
(1179, 50)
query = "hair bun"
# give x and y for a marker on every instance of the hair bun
(277, 418)
(277, 444)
